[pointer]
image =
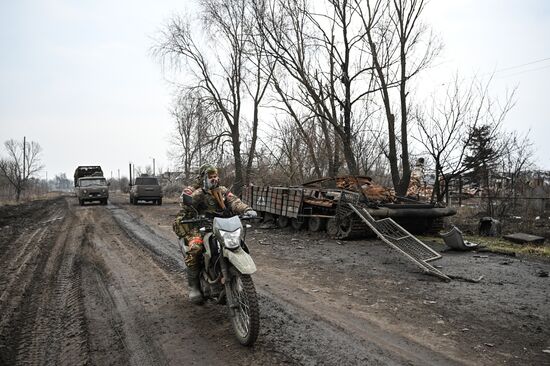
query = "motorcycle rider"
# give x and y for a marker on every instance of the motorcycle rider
(209, 197)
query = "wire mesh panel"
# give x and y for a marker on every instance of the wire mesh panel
(400, 239)
(282, 201)
(345, 200)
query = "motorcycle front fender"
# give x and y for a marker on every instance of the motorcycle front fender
(241, 260)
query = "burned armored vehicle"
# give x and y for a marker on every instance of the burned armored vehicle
(90, 185)
(324, 205)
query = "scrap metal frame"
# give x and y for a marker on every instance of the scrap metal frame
(401, 240)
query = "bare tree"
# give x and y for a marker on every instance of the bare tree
(321, 52)
(517, 157)
(400, 47)
(289, 154)
(192, 140)
(370, 146)
(261, 71)
(302, 128)
(61, 182)
(220, 83)
(446, 129)
(441, 130)
(343, 55)
(515, 160)
(21, 164)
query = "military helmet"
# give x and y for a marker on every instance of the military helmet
(207, 168)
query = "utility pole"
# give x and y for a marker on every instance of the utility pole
(150, 157)
(24, 155)
(130, 168)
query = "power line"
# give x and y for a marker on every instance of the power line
(496, 71)
(522, 65)
(524, 71)
(502, 70)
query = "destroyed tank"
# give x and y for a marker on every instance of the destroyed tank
(323, 204)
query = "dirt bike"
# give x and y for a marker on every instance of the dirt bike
(225, 272)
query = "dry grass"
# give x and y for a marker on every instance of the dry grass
(502, 245)
(499, 245)
(10, 201)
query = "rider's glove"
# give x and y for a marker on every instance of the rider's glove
(251, 214)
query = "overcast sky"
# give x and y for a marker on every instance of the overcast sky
(76, 76)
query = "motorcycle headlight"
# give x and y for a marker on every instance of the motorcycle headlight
(231, 240)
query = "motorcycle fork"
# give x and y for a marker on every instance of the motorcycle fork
(227, 285)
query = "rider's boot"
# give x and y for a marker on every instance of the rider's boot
(193, 280)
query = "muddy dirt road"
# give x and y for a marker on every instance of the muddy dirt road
(105, 285)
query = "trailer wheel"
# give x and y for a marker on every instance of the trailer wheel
(296, 223)
(282, 221)
(340, 229)
(268, 217)
(345, 228)
(332, 227)
(316, 224)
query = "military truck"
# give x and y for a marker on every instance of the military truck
(146, 188)
(90, 185)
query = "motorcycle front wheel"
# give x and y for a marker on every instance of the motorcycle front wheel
(246, 322)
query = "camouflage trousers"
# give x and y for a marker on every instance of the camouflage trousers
(193, 246)
(193, 252)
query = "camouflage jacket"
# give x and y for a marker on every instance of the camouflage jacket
(207, 202)
(217, 199)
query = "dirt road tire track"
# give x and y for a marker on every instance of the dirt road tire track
(43, 314)
(105, 285)
(140, 285)
(287, 325)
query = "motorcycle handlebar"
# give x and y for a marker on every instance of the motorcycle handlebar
(211, 219)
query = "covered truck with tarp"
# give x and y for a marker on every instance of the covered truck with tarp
(321, 205)
(86, 171)
(90, 184)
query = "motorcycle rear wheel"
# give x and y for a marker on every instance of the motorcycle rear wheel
(246, 322)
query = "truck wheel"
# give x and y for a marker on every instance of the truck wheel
(282, 221)
(346, 226)
(296, 223)
(332, 227)
(316, 224)
(131, 200)
(159, 201)
(268, 218)
(81, 202)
